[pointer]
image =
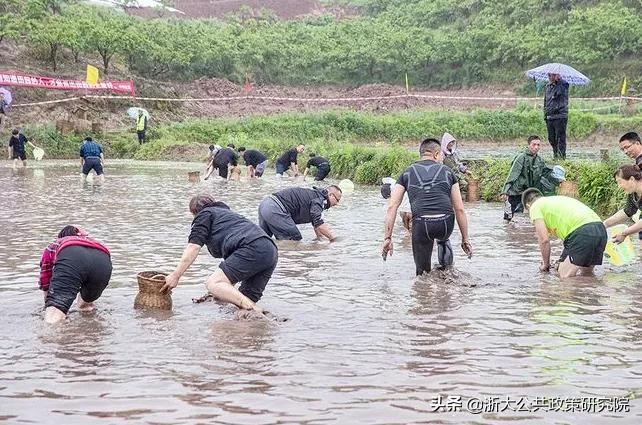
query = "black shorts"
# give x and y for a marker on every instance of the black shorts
(322, 171)
(252, 265)
(92, 163)
(19, 155)
(585, 245)
(78, 269)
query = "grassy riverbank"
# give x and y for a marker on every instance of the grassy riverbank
(338, 127)
(363, 146)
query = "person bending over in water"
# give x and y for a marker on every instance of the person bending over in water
(580, 228)
(223, 159)
(280, 212)
(92, 158)
(249, 255)
(287, 163)
(255, 160)
(435, 202)
(629, 179)
(74, 264)
(322, 165)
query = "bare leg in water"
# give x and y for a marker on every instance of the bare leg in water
(84, 305)
(222, 289)
(567, 269)
(53, 315)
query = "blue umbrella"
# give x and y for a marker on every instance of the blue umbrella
(567, 73)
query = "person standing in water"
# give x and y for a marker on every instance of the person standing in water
(17, 149)
(631, 145)
(249, 255)
(322, 165)
(73, 265)
(280, 212)
(435, 202)
(525, 171)
(451, 159)
(578, 226)
(92, 157)
(629, 179)
(288, 161)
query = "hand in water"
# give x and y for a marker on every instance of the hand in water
(171, 281)
(544, 268)
(467, 248)
(619, 238)
(386, 248)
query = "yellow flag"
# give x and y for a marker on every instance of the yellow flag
(623, 90)
(92, 75)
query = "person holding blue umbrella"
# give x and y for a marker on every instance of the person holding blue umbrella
(556, 113)
(559, 78)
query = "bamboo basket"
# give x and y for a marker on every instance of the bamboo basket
(568, 188)
(472, 194)
(149, 295)
(194, 176)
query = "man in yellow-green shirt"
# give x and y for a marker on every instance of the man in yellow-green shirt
(577, 225)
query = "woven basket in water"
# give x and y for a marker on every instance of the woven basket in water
(194, 176)
(568, 188)
(473, 191)
(149, 295)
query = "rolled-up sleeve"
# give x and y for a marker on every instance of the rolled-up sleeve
(201, 227)
(316, 212)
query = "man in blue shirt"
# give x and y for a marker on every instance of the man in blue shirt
(92, 158)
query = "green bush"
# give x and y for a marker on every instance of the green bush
(411, 126)
(596, 186)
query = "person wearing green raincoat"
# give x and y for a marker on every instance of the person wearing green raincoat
(526, 171)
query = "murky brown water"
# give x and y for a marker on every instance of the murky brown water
(365, 343)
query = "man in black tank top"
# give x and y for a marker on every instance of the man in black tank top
(435, 202)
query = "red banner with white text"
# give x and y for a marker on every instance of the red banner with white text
(20, 80)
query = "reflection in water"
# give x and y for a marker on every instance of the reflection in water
(366, 342)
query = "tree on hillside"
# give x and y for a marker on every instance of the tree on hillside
(110, 33)
(54, 7)
(76, 18)
(50, 34)
(10, 12)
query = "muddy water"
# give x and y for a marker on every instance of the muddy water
(365, 342)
